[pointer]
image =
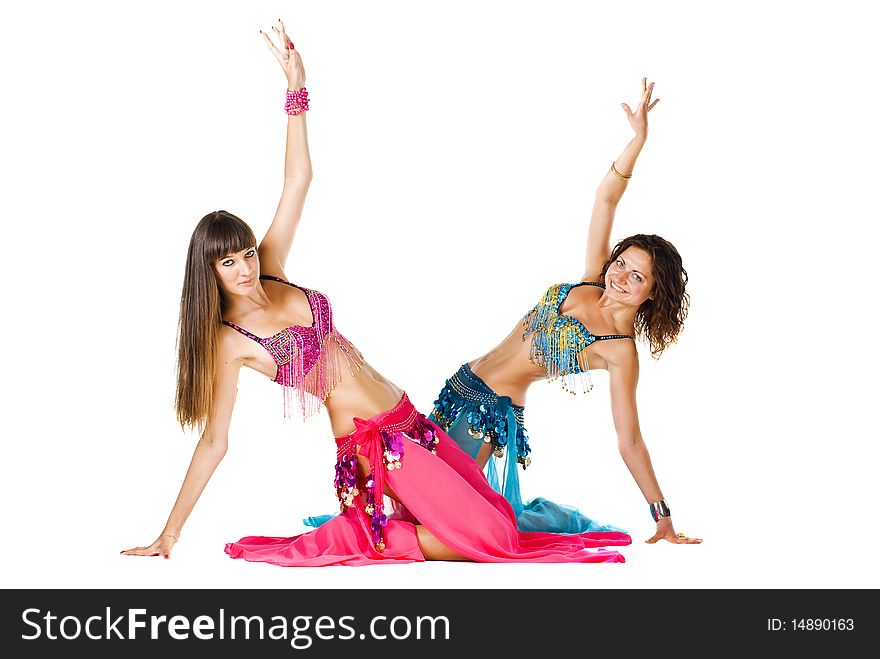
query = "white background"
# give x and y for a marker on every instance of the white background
(456, 149)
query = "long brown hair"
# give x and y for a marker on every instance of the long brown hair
(201, 310)
(660, 320)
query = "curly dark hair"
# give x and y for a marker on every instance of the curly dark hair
(659, 320)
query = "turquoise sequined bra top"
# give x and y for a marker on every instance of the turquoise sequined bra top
(558, 341)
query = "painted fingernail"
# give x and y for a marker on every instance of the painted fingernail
(290, 45)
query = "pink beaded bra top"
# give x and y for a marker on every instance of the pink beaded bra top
(310, 359)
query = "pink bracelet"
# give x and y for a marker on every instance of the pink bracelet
(297, 101)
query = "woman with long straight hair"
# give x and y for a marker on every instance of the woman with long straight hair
(239, 309)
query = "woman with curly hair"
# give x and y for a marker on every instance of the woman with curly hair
(634, 289)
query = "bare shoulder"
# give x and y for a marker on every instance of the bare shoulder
(233, 348)
(621, 354)
(623, 368)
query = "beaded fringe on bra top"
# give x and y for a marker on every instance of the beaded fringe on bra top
(557, 345)
(307, 391)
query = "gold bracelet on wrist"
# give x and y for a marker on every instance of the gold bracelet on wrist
(622, 177)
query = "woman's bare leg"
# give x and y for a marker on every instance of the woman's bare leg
(433, 549)
(484, 454)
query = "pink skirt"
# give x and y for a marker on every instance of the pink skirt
(440, 487)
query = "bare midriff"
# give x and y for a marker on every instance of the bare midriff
(364, 394)
(507, 369)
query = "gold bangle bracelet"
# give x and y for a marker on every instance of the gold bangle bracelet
(622, 177)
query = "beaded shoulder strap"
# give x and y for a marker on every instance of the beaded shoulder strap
(284, 281)
(243, 331)
(603, 337)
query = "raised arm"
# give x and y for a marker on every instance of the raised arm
(624, 375)
(612, 187)
(275, 245)
(207, 455)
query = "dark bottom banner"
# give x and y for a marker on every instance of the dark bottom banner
(391, 623)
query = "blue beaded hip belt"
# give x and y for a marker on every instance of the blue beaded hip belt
(489, 415)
